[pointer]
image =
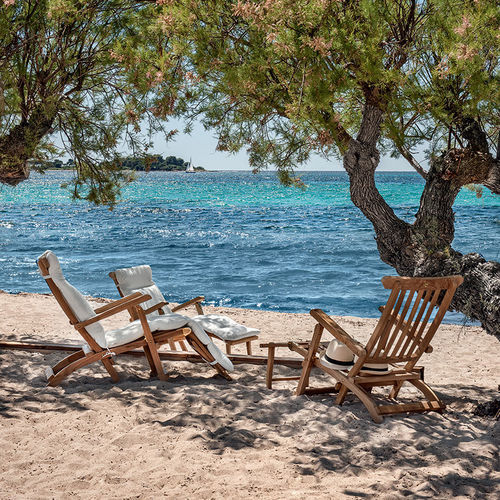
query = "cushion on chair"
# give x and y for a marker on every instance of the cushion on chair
(140, 279)
(224, 327)
(172, 321)
(76, 301)
(133, 330)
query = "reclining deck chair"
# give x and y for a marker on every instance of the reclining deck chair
(402, 335)
(140, 279)
(143, 333)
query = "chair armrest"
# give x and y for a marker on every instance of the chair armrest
(338, 332)
(115, 307)
(115, 303)
(196, 300)
(154, 308)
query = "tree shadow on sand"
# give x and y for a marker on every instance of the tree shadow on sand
(245, 415)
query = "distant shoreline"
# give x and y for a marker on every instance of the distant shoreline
(241, 170)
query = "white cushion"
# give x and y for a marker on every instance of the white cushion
(140, 279)
(76, 301)
(224, 327)
(134, 277)
(133, 331)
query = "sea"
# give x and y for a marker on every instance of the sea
(240, 239)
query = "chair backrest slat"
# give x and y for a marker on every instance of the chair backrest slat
(409, 322)
(400, 325)
(418, 338)
(382, 344)
(383, 322)
(398, 338)
(412, 332)
(414, 340)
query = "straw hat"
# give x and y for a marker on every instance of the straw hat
(337, 356)
(374, 369)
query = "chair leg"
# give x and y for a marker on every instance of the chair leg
(428, 392)
(228, 348)
(156, 365)
(270, 366)
(341, 395)
(108, 364)
(249, 348)
(395, 390)
(67, 361)
(308, 362)
(151, 363)
(74, 362)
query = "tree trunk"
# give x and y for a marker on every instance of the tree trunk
(424, 248)
(19, 145)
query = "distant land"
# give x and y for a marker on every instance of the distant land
(149, 163)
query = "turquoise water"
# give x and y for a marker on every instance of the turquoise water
(242, 240)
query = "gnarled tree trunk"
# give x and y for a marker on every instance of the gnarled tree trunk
(18, 146)
(424, 248)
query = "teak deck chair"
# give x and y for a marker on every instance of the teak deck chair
(140, 279)
(101, 345)
(402, 335)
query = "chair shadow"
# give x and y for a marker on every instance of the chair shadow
(245, 415)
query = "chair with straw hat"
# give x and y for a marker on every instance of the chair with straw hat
(413, 313)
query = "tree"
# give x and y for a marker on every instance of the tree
(354, 78)
(74, 68)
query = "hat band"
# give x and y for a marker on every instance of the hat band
(337, 362)
(373, 369)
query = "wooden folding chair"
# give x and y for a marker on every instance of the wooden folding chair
(140, 278)
(100, 345)
(402, 335)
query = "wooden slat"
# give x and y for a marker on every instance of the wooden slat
(392, 318)
(192, 357)
(401, 324)
(409, 323)
(382, 323)
(388, 379)
(421, 309)
(410, 407)
(322, 390)
(417, 338)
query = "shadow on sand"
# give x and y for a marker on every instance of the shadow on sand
(244, 414)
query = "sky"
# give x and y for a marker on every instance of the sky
(200, 146)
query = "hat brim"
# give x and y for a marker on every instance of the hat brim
(336, 365)
(374, 370)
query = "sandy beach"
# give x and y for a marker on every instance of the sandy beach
(198, 434)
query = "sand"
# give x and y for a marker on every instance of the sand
(198, 435)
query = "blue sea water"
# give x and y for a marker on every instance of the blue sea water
(242, 240)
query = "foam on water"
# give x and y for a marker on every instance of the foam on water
(242, 240)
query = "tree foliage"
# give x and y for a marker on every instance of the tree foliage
(354, 78)
(74, 69)
(286, 78)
